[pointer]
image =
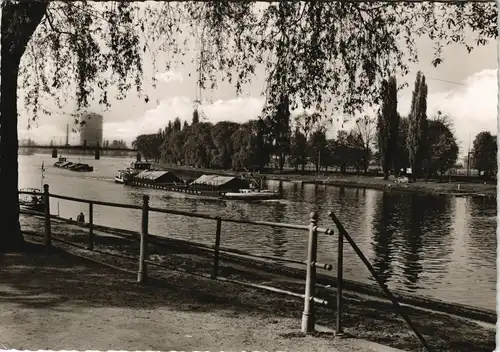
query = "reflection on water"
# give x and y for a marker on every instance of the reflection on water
(383, 233)
(439, 246)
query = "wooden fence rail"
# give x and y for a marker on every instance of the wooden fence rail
(308, 320)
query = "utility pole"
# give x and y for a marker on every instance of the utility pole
(468, 158)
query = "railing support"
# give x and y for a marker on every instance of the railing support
(215, 268)
(90, 244)
(142, 274)
(308, 316)
(340, 282)
(46, 208)
(386, 290)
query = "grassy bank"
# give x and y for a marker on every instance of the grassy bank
(362, 181)
(364, 318)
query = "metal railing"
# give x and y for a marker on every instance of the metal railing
(308, 316)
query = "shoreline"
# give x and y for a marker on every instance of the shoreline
(363, 318)
(454, 188)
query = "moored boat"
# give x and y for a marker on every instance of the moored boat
(81, 167)
(60, 161)
(251, 194)
(63, 163)
(31, 201)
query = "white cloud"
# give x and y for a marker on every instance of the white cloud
(237, 110)
(472, 106)
(169, 76)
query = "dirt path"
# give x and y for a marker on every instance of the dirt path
(58, 301)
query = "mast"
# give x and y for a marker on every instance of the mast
(42, 177)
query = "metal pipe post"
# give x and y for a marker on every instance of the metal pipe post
(142, 274)
(90, 245)
(46, 206)
(340, 281)
(215, 268)
(382, 285)
(308, 314)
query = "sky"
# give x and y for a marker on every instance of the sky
(464, 87)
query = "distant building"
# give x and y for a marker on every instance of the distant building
(91, 130)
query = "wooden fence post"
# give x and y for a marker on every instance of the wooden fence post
(142, 274)
(90, 244)
(46, 208)
(215, 268)
(308, 317)
(340, 282)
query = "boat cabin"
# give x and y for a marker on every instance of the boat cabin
(219, 183)
(140, 165)
(159, 176)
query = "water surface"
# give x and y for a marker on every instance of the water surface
(440, 246)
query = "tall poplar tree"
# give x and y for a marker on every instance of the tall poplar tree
(417, 125)
(388, 126)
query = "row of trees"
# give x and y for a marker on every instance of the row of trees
(115, 143)
(427, 146)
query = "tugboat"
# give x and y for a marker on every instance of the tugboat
(122, 176)
(136, 167)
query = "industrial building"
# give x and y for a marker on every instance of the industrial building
(91, 130)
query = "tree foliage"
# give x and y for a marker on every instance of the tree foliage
(441, 149)
(484, 153)
(364, 136)
(401, 159)
(417, 125)
(388, 126)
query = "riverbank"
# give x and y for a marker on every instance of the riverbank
(361, 181)
(364, 318)
(59, 301)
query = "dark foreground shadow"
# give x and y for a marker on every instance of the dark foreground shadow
(60, 281)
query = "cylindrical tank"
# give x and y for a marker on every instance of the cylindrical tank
(91, 130)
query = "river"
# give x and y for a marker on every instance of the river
(439, 246)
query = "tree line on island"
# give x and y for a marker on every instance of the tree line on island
(425, 145)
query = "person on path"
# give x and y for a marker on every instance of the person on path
(80, 218)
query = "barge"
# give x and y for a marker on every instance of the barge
(63, 163)
(212, 186)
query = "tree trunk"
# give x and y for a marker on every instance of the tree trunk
(19, 22)
(281, 161)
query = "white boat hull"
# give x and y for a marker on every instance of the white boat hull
(119, 180)
(252, 196)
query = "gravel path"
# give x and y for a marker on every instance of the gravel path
(58, 301)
